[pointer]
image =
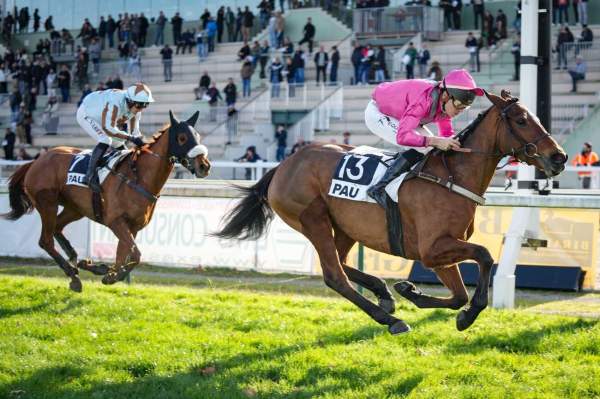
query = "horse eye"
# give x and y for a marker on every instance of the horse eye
(521, 122)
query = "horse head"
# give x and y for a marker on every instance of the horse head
(185, 147)
(525, 138)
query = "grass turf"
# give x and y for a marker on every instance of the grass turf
(145, 341)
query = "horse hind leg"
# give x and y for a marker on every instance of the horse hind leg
(450, 277)
(67, 216)
(377, 286)
(47, 205)
(317, 227)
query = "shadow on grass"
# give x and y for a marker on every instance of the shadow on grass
(25, 310)
(524, 341)
(437, 315)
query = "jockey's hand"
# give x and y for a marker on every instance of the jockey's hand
(446, 143)
(138, 141)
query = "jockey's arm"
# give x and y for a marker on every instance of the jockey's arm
(109, 123)
(445, 128)
(407, 135)
(135, 123)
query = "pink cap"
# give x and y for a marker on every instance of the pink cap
(461, 79)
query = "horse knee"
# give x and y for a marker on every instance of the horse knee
(483, 256)
(335, 282)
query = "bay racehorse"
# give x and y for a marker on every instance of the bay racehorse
(436, 221)
(130, 192)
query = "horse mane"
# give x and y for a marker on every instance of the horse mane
(158, 134)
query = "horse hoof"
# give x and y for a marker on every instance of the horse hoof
(389, 305)
(464, 320)
(109, 278)
(75, 284)
(399, 327)
(406, 289)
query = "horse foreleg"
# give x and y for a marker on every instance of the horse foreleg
(316, 226)
(448, 250)
(128, 254)
(450, 277)
(46, 202)
(377, 286)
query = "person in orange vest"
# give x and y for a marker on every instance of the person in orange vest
(586, 157)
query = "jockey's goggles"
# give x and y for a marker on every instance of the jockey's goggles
(461, 99)
(140, 105)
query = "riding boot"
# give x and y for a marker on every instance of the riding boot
(90, 178)
(401, 164)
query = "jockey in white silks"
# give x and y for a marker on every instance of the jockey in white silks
(103, 114)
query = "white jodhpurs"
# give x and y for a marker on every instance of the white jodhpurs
(386, 127)
(94, 129)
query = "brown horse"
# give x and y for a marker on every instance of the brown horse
(437, 222)
(129, 196)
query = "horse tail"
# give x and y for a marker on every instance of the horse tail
(20, 203)
(252, 215)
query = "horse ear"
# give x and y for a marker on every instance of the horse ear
(193, 119)
(505, 94)
(496, 100)
(174, 120)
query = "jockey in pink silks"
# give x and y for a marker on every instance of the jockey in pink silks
(399, 110)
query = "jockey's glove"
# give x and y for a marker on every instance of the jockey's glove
(138, 141)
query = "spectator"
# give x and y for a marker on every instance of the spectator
(309, 35)
(213, 100)
(264, 57)
(287, 47)
(478, 7)
(517, 21)
(211, 33)
(276, 76)
(102, 31)
(289, 72)
(321, 59)
(36, 20)
(244, 51)
(246, 74)
(410, 55)
(488, 31)
(81, 70)
(51, 111)
(95, 52)
(587, 157)
(203, 85)
(565, 37)
(239, 21)
(111, 27)
(516, 52)
(118, 83)
(8, 144)
(249, 156)
(281, 137)
(585, 39)
(247, 24)
(167, 60)
(186, 41)
(299, 64)
(86, 90)
(346, 138)
(582, 11)
(177, 23)
(143, 29)
(14, 101)
(230, 23)
(335, 61)
(280, 30)
(159, 37)
(272, 30)
(51, 82)
(423, 58)
(379, 64)
(232, 123)
(230, 91)
(23, 155)
(204, 18)
(201, 44)
(501, 23)
(435, 72)
(263, 6)
(577, 72)
(64, 83)
(24, 19)
(563, 11)
(3, 84)
(456, 11)
(255, 53)
(367, 55)
(355, 59)
(135, 65)
(473, 46)
(220, 23)
(446, 6)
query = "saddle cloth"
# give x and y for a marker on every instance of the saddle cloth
(360, 169)
(80, 162)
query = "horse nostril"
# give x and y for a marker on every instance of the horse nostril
(559, 158)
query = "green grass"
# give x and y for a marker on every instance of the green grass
(145, 341)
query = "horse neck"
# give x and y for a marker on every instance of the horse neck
(474, 171)
(154, 171)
